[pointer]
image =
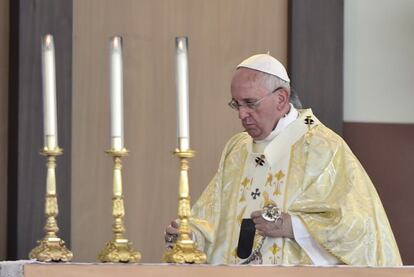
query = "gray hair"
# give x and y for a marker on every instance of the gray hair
(294, 99)
(273, 82)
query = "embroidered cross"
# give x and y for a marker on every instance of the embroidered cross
(255, 194)
(279, 175)
(309, 121)
(259, 160)
(274, 249)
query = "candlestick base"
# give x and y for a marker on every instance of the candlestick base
(119, 251)
(51, 250)
(185, 251)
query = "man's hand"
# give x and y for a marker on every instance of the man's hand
(281, 228)
(171, 232)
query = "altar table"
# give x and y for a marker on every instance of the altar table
(172, 270)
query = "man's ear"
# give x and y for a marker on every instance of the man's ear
(282, 98)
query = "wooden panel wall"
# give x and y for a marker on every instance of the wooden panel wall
(386, 151)
(29, 21)
(4, 75)
(221, 34)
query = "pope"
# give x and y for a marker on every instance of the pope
(288, 190)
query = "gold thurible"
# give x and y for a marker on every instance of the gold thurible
(51, 247)
(185, 249)
(119, 249)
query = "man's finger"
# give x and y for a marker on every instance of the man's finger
(260, 227)
(171, 230)
(256, 214)
(258, 220)
(175, 224)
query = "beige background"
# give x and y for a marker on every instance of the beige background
(221, 34)
(4, 77)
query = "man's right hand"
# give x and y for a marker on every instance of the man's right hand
(171, 232)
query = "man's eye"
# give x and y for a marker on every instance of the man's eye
(250, 102)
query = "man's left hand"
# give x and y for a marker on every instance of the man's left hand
(281, 228)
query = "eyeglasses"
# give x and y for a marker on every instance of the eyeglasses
(252, 105)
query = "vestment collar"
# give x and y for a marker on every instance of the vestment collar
(291, 116)
(287, 135)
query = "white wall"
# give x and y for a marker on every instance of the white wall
(379, 61)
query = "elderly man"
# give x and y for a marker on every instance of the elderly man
(288, 190)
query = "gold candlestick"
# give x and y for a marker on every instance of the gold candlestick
(51, 247)
(119, 249)
(185, 249)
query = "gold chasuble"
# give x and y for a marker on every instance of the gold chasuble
(307, 171)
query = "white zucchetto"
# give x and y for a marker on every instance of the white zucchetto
(267, 64)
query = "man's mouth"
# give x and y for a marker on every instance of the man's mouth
(249, 124)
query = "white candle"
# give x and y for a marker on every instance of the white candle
(183, 125)
(117, 116)
(49, 93)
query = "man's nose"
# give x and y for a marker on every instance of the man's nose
(243, 112)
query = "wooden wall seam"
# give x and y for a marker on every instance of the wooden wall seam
(4, 75)
(12, 144)
(316, 57)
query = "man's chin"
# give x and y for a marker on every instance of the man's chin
(254, 133)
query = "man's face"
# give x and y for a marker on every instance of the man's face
(247, 86)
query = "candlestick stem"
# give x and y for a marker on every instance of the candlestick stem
(51, 247)
(119, 249)
(185, 249)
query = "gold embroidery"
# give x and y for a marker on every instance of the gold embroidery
(267, 200)
(234, 255)
(242, 198)
(269, 179)
(279, 176)
(240, 216)
(274, 249)
(246, 182)
(277, 189)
